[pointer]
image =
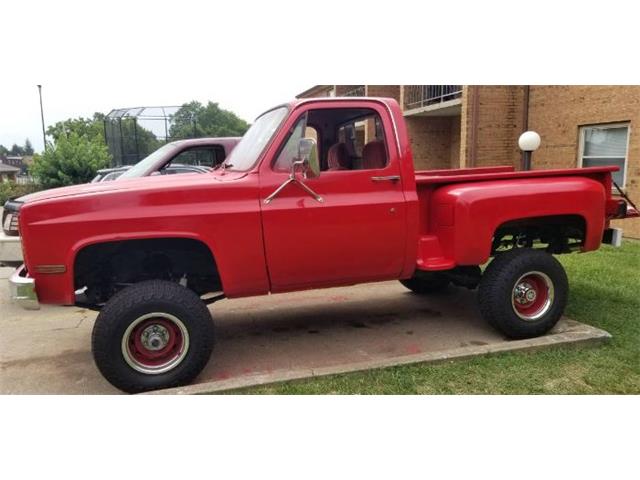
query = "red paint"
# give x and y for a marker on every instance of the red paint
(413, 349)
(364, 231)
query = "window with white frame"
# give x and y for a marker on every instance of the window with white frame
(606, 145)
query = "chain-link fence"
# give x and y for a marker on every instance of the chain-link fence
(133, 133)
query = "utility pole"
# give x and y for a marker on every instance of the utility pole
(44, 135)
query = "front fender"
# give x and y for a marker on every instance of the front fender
(225, 216)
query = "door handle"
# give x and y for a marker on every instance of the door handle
(390, 178)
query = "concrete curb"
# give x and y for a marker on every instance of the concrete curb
(577, 334)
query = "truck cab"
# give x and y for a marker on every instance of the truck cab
(352, 217)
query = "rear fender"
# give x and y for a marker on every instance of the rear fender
(474, 211)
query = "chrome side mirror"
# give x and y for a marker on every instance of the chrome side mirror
(308, 163)
(308, 156)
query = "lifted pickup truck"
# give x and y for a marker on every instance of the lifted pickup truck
(318, 193)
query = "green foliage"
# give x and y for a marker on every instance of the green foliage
(195, 120)
(16, 150)
(12, 190)
(71, 160)
(136, 139)
(28, 148)
(92, 128)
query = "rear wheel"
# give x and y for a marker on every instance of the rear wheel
(154, 334)
(523, 293)
(426, 282)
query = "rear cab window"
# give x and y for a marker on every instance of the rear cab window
(205, 156)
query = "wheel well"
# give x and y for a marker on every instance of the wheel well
(555, 234)
(103, 269)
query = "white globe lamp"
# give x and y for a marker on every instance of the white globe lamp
(528, 142)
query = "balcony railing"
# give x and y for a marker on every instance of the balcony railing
(353, 91)
(419, 96)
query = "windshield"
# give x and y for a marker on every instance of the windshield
(246, 153)
(140, 168)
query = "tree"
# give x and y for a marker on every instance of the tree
(137, 142)
(3, 151)
(194, 120)
(28, 148)
(127, 138)
(92, 128)
(16, 150)
(72, 159)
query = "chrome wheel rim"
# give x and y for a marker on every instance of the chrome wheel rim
(155, 343)
(532, 296)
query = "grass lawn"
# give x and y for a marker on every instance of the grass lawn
(604, 292)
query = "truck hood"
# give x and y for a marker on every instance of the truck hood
(143, 183)
(68, 191)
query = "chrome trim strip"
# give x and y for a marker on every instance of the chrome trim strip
(390, 178)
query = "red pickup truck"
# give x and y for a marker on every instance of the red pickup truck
(318, 193)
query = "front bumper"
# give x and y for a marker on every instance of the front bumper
(22, 289)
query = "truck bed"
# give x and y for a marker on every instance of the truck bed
(458, 221)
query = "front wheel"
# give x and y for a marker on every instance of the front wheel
(523, 293)
(151, 335)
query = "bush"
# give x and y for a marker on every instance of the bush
(12, 189)
(73, 159)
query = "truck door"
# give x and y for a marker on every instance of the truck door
(355, 230)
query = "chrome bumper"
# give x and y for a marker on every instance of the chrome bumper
(22, 289)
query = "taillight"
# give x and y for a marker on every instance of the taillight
(11, 223)
(11, 218)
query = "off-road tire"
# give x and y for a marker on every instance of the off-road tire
(426, 283)
(496, 292)
(138, 300)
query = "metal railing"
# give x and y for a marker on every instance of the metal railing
(419, 96)
(354, 91)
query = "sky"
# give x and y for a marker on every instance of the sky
(20, 108)
(249, 56)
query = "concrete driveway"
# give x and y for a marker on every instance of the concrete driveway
(273, 338)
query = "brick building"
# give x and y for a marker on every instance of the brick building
(456, 126)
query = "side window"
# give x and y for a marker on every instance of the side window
(347, 139)
(289, 152)
(606, 145)
(360, 146)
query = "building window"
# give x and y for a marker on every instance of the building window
(606, 145)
